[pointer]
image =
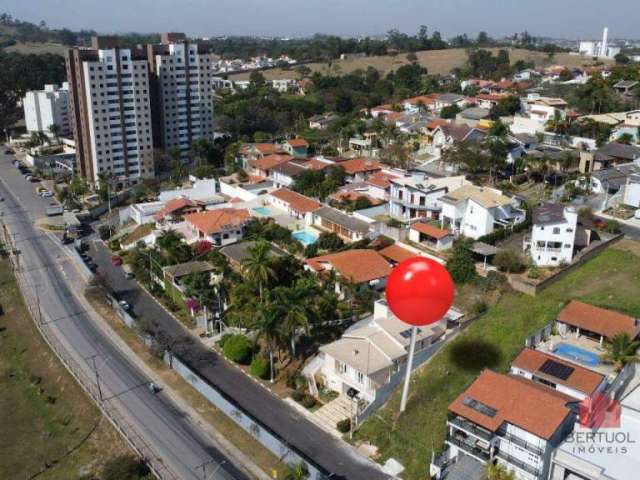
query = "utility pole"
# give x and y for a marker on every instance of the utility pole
(95, 371)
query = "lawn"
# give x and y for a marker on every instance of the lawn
(610, 280)
(47, 422)
(436, 62)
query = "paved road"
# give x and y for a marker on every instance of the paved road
(298, 432)
(180, 444)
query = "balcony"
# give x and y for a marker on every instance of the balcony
(433, 206)
(469, 448)
(469, 427)
(522, 443)
(518, 463)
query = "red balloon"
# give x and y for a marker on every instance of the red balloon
(419, 291)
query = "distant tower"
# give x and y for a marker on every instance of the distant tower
(604, 47)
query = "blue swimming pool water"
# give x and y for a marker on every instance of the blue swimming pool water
(305, 237)
(577, 354)
(264, 211)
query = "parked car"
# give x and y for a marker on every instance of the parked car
(125, 305)
(154, 388)
(46, 194)
(34, 179)
(116, 261)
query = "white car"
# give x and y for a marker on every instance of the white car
(46, 194)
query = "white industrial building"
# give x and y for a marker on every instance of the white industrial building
(43, 108)
(598, 49)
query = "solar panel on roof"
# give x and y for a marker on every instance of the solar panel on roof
(407, 333)
(479, 407)
(556, 369)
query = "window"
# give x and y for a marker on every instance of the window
(556, 230)
(340, 367)
(360, 377)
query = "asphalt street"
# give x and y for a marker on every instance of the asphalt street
(181, 446)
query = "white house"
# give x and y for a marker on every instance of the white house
(220, 227)
(477, 211)
(203, 190)
(553, 234)
(373, 353)
(431, 236)
(418, 196)
(294, 203)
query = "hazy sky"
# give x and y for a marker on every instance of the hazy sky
(560, 18)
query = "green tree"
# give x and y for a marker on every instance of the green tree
(268, 329)
(258, 266)
(499, 472)
(174, 249)
(620, 350)
(55, 129)
(297, 471)
(460, 264)
(125, 467)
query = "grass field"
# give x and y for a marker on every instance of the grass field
(611, 280)
(47, 423)
(436, 62)
(37, 48)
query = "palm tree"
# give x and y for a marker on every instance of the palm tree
(200, 148)
(620, 350)
(258, 265)
(54, 129)
(297, 311)
(296, 471)
(268, 329)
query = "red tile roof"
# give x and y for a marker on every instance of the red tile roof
(438, 122)
(298, 142)
(396, 253)
(268, 148)
(358, 265)
(357, 165)
(492, 97)
(296, 201)
(599, 320)
(581, 379)
(535, 408)
(270, 161)
(215, 221)
(424, 99)
(174, 205)
(381, 179)
(430, 230)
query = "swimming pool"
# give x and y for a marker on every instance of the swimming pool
(264, 211)
(305, 237)
(577, 354)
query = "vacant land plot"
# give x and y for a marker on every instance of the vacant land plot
(47, 423)
(436, 62)
(610, 280)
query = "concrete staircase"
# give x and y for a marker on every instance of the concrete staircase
(330, 414)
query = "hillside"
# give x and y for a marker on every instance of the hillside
(37, 48)
(436, 62)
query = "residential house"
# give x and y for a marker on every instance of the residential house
(175, 210)
(555, 235)
(477, 211)
(448, 134)
(566, 377)
(626, 88)
(238, 252)
(370, 358)
(297, 147)
(253, 151)
(284, 174)
(345, 226)
(359, 169)
(612, 179)
(294, 203)
(418, 196)
(360, 268)
(174, 274)
(595, 323)
(321, 122)
(607, 156)
(631, 194)
(262, 166)
(508, 420)
(474, 117)
(395, 254)
(220, 227)
(430, 236)
(204, 190)
(489, 100)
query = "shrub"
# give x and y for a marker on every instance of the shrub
(104, 232)
(494, 280)
(114, 245)
(344, 426)
(612, 227)
(479, 307)
(297, 396)
(237, 348)
(223, 339)
(509, 261)
(260, 367)
(461, 265)
(308, 401)
(534, 272)
(329, 241)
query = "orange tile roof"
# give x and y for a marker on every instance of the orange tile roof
(315, 164)
(430, 230)
(393, 116)
(296, 201)
(353, 195)
(298, 142)
(492, 97)
(535, 408)
(174, 205)
(581, 379)
(438, 122)
(268, 148)
(382, 108)
(358, 265)
(424, 99)
(356, 165)
(270, 161)
(214, 221)
(599, 320)
(396, 253)
(381, 179)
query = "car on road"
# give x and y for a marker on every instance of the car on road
(116, 261)
(34, 179)
(8, 152)
(154, 388)
(124, 305)
(46, 194)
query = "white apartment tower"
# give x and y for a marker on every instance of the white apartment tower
(110, 100)
(182, 81)
(43, 108)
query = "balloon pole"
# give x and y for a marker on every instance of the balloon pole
(407, 377)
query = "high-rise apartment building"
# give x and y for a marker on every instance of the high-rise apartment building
(182, 74)
(43, 108)
(110, 105)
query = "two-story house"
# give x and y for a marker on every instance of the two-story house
(477, 211)
(448, 134)
(508, 420)
(359, 169)
(294, 203)
(297, 147)
(418, 196)
(555, 235)
(174, 210)
(347, 227)
(220, 227)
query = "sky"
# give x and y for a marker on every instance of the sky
(558, 18)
